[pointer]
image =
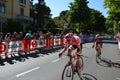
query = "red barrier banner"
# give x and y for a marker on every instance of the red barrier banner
(52, 42)
(26, 44)
(33, 44)
(13, 46)
(41, 43)
(56, 41)
(2, 47)
(48, 42)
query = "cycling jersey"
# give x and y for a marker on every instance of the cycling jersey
(76, 41)
(98, 40)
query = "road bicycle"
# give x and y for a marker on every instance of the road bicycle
(98, 53)
(72, 68)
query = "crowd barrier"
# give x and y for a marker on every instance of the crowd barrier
(8, 48)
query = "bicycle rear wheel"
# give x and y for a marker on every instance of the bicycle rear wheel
(67, 73)
(98, 59)
(116, 64)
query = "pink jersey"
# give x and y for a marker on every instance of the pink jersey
(75, 41)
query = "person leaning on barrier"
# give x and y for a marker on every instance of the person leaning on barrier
(28, 35)
(20, 36)
(14, 37)
(7, 37)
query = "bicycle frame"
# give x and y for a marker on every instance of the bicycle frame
(74, 68)
(98, 50)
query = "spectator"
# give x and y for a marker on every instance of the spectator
(7, 37)
(20, 36)
(41, 37)
(28, 35)
(14, 36)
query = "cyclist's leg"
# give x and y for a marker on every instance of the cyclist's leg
(79, 64)
(70, 49)
(98, 49)
(79, 61)
(100, 46)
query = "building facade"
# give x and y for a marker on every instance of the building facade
(14, 9)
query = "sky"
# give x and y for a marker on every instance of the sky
(57, 6)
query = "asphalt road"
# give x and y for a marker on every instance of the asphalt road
(49, 66)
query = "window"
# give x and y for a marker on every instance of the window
(2, 8)
(22, 1)
(22, 11)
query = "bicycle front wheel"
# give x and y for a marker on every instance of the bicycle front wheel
(67, 73)
(86, 76)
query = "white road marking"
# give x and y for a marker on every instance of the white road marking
(23, 73)
(55, 60)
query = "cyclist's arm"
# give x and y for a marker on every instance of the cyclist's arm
(101, 43)
(79, 48)
(63, 50)
(93, 43)
(79, 51)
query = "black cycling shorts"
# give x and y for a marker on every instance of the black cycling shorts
(74, 46)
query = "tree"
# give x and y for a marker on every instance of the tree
(114, 9)
(79, 14)
(41, 14)
(96, 21)
(12, 26)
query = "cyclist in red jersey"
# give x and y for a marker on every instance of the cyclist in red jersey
(72, 42)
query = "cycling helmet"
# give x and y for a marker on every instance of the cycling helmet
(69, 36)
(97, 35)
(27, 35)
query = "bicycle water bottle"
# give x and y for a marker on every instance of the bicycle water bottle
(68, 73)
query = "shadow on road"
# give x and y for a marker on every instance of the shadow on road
(22, 56)
(105, 62)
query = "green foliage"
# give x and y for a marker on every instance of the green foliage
(110, 31)
(79, 16)
(114, 13)
(12, 26)
(97, 21)
(114, 9)
(116, 27)
(79, 12)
